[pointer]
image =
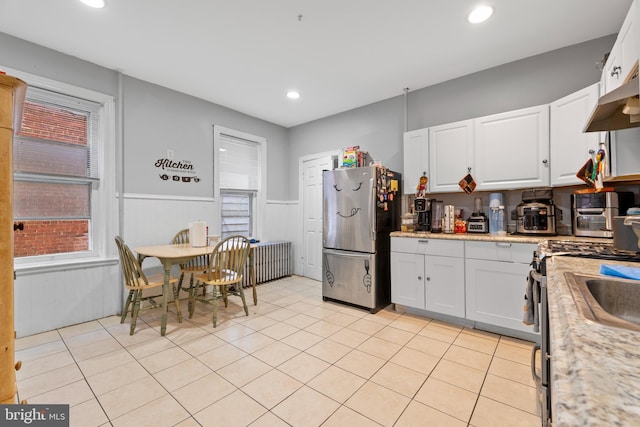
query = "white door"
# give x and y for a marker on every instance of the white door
(312, 214)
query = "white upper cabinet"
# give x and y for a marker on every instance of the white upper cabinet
(450, 155)
(625, 152)
(416, 158)
(512, 149)
(625, 51)
(571, 147)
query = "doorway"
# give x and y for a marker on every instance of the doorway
(311, 168)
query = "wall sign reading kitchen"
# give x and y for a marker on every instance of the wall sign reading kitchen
(180, 171)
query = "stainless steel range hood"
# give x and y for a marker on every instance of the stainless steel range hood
(618, 109)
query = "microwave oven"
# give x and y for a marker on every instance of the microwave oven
(592, 213)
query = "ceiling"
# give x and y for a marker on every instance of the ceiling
(339, 54)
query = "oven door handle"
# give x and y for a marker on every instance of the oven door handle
(590, 211)
(536, 378)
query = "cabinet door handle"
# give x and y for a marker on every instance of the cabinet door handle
(428, 278)
(503, 245)
(545, 161)
(592, 151)
(423, 241)
(419, 277)
(616, 71)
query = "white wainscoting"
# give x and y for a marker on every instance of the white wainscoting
(282, 222)
(154, 220)
(62, 297)
(54, 299)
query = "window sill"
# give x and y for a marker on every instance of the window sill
(66, 265)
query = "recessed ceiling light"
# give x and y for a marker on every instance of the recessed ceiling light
(292, 94)
(98, 4)
(480, 14)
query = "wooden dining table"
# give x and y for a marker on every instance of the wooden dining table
(169, 255)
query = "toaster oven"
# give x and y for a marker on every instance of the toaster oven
(592, 213)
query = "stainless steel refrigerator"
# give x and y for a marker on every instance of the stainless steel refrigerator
(361, 206)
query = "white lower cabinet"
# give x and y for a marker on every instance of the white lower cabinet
(407, 279)
(444, 285)
(496, 275)
(480, 281)
(428, 274)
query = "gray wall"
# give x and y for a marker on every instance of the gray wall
(41, 61)
(156, 119)
(378, 127)
(531, 81)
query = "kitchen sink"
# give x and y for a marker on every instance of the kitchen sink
(606, 301)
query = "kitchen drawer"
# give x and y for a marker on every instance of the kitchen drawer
(500, 251)
(427, 246)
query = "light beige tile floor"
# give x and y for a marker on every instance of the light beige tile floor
(294, 361)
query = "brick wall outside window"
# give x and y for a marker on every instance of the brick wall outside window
(39, 200)
(51, 237)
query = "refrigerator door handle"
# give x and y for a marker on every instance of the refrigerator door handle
(372, 218)
(346, 254)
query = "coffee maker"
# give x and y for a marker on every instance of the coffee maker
(422, 207)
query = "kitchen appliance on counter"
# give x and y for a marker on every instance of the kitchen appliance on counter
(536, 215)
(449, 219)
(478, 222)
(497, 223)
(422, 207)
(437, 214)
(360, 210)
(623, 235)
(593, 212)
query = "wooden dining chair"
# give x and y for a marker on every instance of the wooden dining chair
(226, 267)
(136, 282)
(197, 265)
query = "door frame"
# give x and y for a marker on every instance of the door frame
(301, 162)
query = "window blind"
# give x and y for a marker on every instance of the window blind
(59, 135)
(239, 164)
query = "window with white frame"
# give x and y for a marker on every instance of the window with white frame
(236, 213)
(61, 184)
(240, 177)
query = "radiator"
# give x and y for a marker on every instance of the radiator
(271, 260)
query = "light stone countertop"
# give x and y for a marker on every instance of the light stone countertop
(595, 369)
(512, 238)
